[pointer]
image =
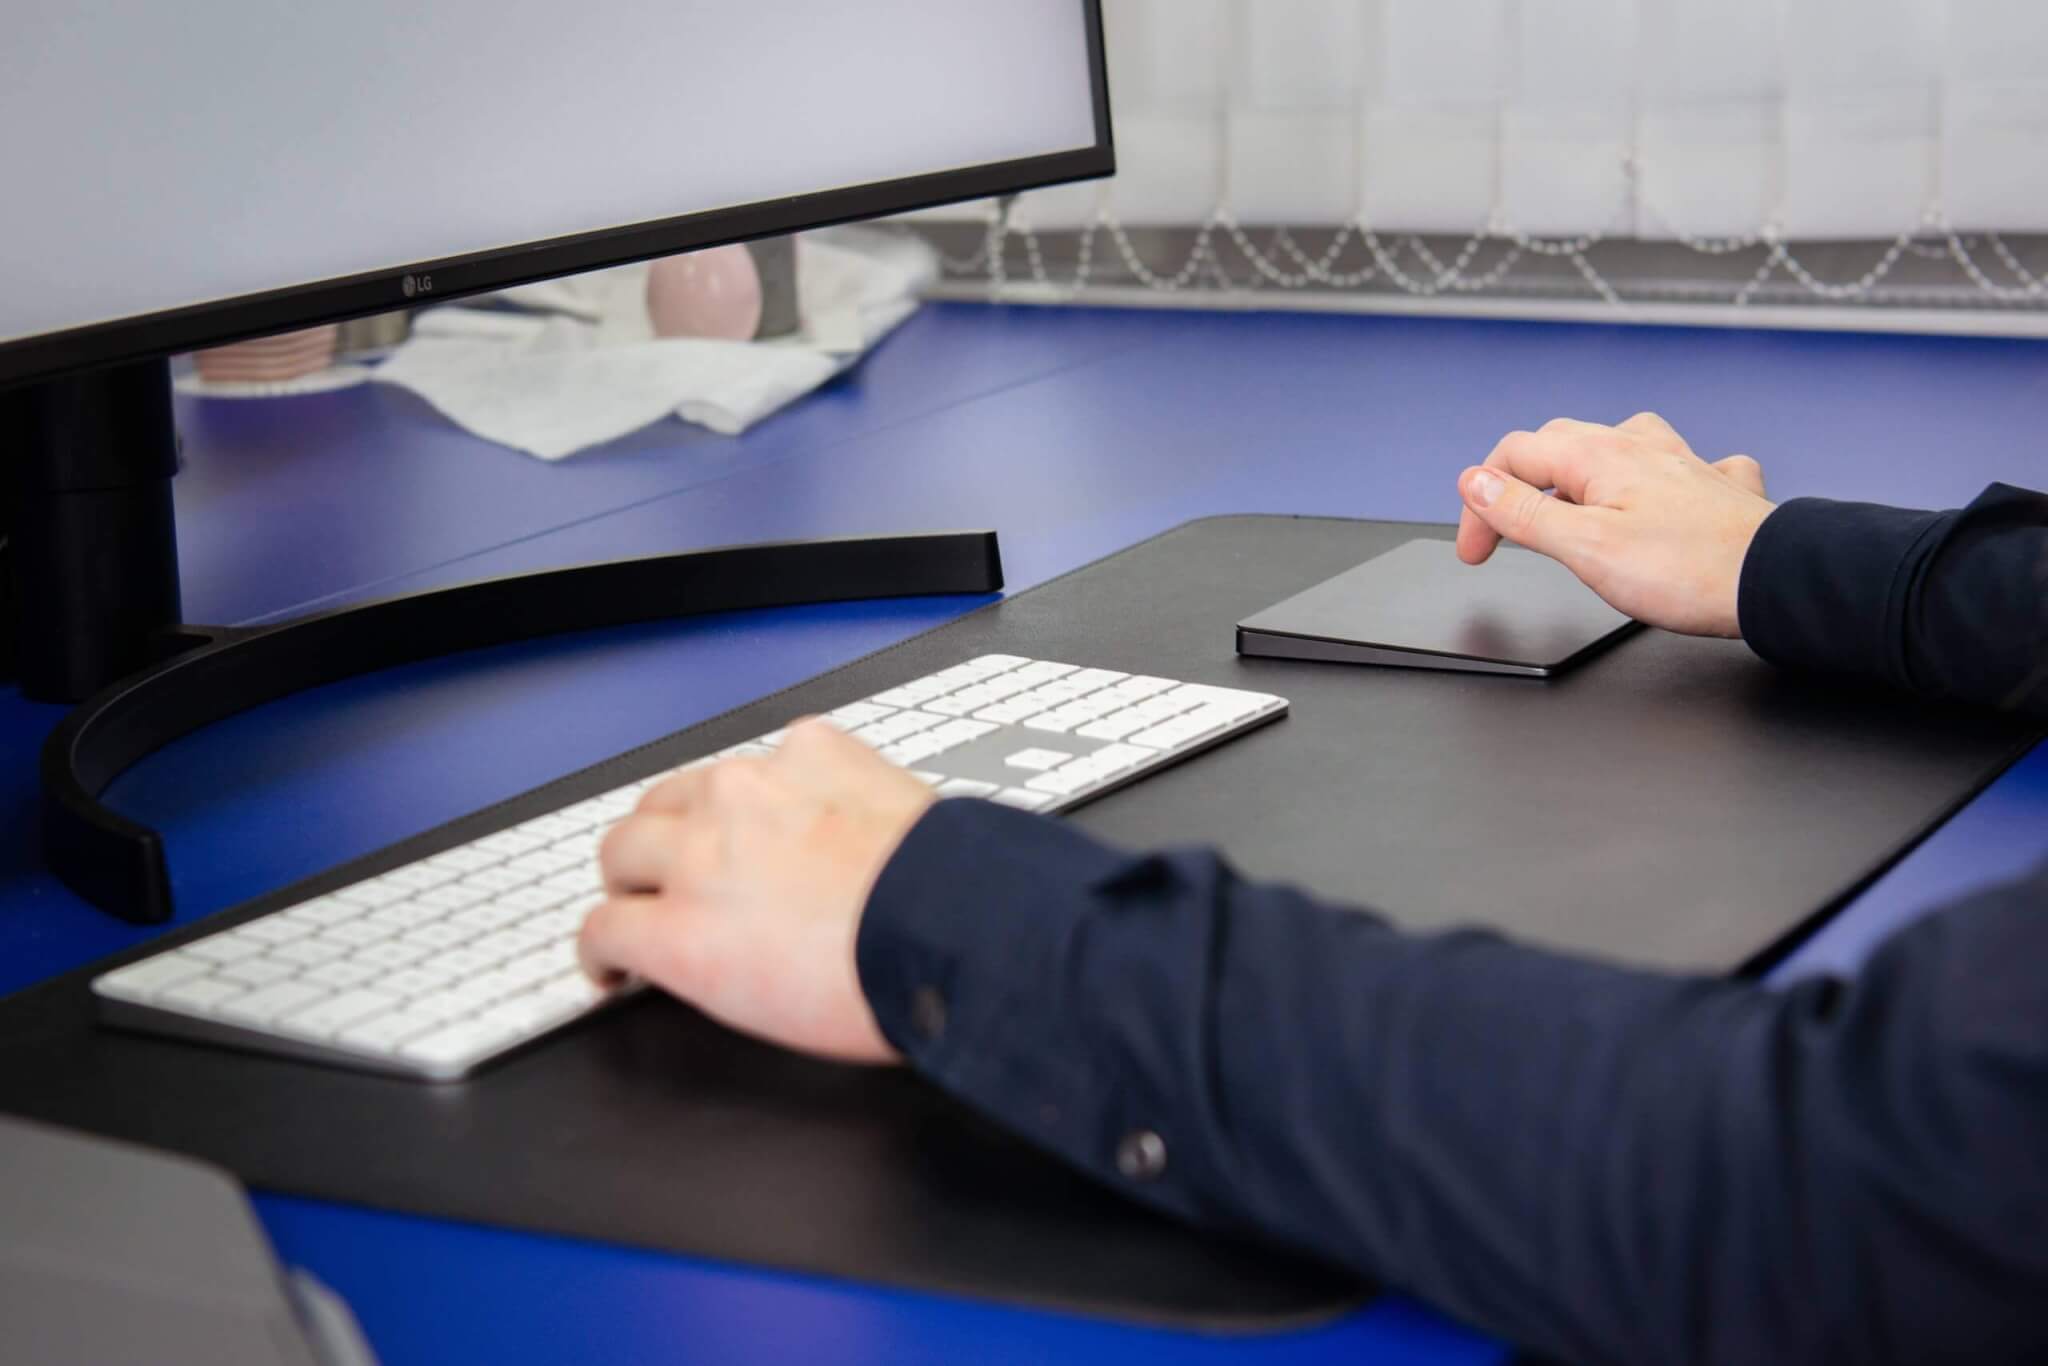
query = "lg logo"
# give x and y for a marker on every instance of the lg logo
(417, 284)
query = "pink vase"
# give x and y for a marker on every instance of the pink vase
(714, 293)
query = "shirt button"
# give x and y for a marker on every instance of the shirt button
(928, 1014)
(1141, 1156)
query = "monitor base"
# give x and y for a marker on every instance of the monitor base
(96, 561)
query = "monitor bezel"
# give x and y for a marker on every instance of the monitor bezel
(219, 322)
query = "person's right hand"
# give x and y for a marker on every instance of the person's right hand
(1649, 526)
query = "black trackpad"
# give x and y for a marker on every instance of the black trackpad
(1419, 606)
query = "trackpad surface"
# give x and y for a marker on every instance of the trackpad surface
(1419, 606)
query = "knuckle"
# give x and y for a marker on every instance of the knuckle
(1510, 446)
(616, 840)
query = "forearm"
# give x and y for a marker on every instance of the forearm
(1950, 604)
(1605, 1164)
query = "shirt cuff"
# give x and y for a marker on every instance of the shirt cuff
(971, 906)
(1825, 584)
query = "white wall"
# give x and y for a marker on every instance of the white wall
(1656, 118)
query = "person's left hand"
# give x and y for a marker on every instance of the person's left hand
(739, 888)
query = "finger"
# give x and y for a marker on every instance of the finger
(810, 737)
(1476, 540)
(820, 759)
(638, 854)
(1564, 459)
(624, 937)
(1518, 512)
(677, 793)
(1744, 471)
(1563, 455)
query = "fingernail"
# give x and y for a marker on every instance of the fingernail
(1483, 487)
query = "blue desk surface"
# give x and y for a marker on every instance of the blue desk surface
(1074, 433)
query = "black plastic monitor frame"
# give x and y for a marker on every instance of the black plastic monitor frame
(53, 355)
(87, 440)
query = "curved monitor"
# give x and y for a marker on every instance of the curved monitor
(185, 175)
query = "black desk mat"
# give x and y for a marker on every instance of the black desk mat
(1672, 802)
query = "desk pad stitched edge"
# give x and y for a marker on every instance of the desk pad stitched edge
(650, 1126)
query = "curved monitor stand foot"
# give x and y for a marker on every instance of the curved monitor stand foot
(97, 577)
(119, 865)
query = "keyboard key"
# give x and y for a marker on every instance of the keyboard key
(967, 787)
(527, 900)
(200, 994)
(549, 861)
(909, 695)
(1051, 722)
(526, 1012)
(224, 948)
(421, 877)
(1111, 760)
(565, 920)
(266, 1004)
(464, 961)
(1044, 671)
(1090, 679)
(1141, 686)
(530, 969)
(586, 877)
(514, 842)
(928, 779)
(1023, 799)
(438, 937)
(327, 910)
(404, 916)
(1009, 713)
(961, 732)
(1174, 734)
(573, 988)
(356, 933)
(373, 894)
(856, 714)
(309, 953)
(466, 859)
(1037, 760)
(392, 953)
(1118, 725)
(452, 898)
(271, 929)
(382, 1033)
(489, 916)
(558, 826)
(342, 973)
(458, 1044)
(322, 1020)
(256, 972)
(1063, 782)
(499, 879)
(1157, 709)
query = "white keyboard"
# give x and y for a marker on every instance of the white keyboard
(434, 968)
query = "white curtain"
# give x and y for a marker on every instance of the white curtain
(1660, 119)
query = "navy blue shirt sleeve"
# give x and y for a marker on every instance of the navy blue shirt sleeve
(1951, 605)
(1600, 1163)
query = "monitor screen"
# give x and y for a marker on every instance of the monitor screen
(182, 174)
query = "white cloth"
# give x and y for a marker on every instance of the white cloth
(591, 369)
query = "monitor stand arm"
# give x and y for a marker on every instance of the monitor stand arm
(204, 674)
